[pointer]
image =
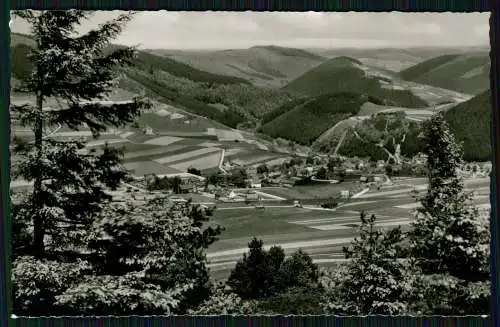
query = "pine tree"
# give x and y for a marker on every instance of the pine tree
(449, 238)
(375, 281)
(74, 74)
(448, 234)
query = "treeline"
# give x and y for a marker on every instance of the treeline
(76, 248)
(286, 107)
(468, 121)
(79, 249)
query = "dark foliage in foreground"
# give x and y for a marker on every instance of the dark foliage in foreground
(260, 273)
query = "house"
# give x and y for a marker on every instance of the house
(347, 165)
(185, 177)
(420, 159)
(372, 179)
(255, 184)
(187, 188)
(345, 194)
(148, 130)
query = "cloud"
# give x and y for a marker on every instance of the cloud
(162, 29)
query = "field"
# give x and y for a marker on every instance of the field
(321, 233)
(148, 154)
(307, 192)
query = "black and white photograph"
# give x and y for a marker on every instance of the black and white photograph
(209, 163)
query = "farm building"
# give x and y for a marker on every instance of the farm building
(255, 184)
(187, 177)
(420, 159)
(373, 179)
(148, 130)
(345, 194)
(188, 188)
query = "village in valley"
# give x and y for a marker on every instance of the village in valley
(276, 182)
(292, 152)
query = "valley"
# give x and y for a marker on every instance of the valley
(290, 110)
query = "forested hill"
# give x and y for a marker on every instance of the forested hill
(464, 72)
(345, 74)
(226, 99)
(470, 121)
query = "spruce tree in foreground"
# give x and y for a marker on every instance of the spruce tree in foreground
(449, 236)
(72, 75)
(375, 280)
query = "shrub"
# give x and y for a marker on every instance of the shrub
(331, 204)
(224, 301)
(295, 301)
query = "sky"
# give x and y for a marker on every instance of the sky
(236, 30)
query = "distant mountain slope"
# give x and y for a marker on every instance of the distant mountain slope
(470, 121)
(262, 65)
(303, 121)
(226, 99)
(394, 59)
(464, 72)
(147, 61)
(345, 74)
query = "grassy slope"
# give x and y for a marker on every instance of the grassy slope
(471, 123)
(341, 75)
(306, 121)
(468, 73)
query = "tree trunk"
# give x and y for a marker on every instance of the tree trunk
(39, 229)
